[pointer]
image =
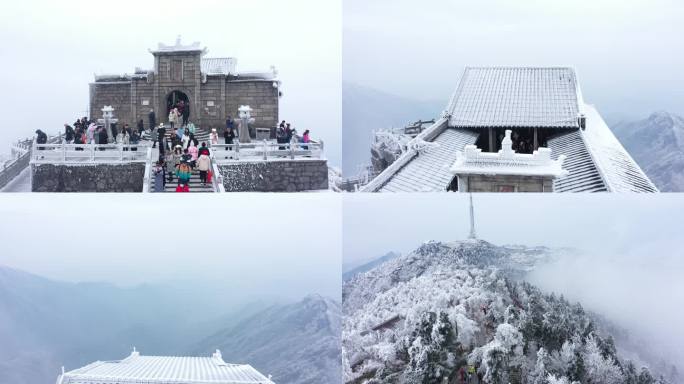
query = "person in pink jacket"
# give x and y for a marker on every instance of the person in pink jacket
(193, 151)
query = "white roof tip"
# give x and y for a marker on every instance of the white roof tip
(179, 47)
(218, 357)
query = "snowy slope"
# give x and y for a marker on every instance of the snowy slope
(355, 270)
(297, 343)
(422, 317)
(657, 145)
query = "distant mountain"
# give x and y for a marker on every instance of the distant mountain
(47, 324)
(297, 343)
(430, 315)
(366, 109)
(657, 145)
(351, 272)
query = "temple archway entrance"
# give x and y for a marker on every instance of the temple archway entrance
(180, 100)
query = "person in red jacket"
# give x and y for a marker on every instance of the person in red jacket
(182, 188)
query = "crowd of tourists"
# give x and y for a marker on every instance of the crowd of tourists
(86, 131)
(286, 134)
(180, 164)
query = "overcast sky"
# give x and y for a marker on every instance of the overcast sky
(51, 49)
(627, 53)
(631, 247)
(271, 244)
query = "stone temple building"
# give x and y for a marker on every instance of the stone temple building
(515, 129)
(211, 87)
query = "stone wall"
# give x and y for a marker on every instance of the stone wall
(87, 177)
(117, 94)
(260, 95)
(143, 99)
(502, 183)
(275, 176)
(14, 169)
(212, 102)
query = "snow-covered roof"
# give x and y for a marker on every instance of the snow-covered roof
(509, 97)
(219, 65)
(113, 78)
(164, 369)
(472, 161)
(619, 171)
(583, 175)
(595, 160)
(427, 169)
(179, 47)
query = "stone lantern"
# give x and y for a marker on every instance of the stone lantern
(245, 114)
(107, 120)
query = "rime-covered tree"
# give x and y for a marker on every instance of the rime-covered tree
(600, 369)
(431, 349)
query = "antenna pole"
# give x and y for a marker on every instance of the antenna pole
(472, 219)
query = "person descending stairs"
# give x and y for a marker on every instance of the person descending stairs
(194, 184)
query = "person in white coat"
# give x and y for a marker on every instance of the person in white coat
(173, 117)
(203, 164)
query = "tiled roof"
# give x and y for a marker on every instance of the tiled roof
(218, 66)
(620, 172)
(583, 176)
(520, 97)
(429, 170)
(516, 97)
(163, 369)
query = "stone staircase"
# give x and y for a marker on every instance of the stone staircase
(201, 134)
(195, 184)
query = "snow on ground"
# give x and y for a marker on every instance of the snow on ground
(21, 183)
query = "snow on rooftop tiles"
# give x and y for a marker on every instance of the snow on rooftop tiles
(472, 161)
(620, 172)
(165, 369)
(516, 97)
(219, 65)
(583, 175)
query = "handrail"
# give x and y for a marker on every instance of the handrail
(146, 175)
(217, 178)
(93, 153)
(266, 149)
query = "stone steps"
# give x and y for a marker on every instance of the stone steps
(194, 184)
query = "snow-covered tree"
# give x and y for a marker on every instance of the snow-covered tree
(600, 369)
(539, 374)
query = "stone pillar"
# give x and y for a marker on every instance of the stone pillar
(490, 133)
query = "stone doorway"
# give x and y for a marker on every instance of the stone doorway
(174, 99)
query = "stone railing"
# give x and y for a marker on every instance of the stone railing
(507, 161)
(21, 156)
(265, 150)
(89, 153)
(217, 177)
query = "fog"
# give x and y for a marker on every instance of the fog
(253, 246)
(627, 53)
(50, 51)
(632, 252)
